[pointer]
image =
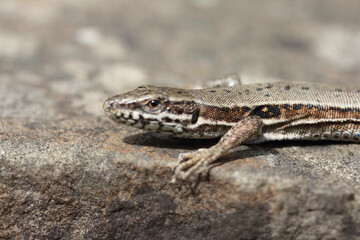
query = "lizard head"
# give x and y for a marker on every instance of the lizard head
(165, 110)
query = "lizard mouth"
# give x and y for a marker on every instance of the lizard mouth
(122, 115)
(139, 119)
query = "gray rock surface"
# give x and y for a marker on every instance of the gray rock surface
(68, 172)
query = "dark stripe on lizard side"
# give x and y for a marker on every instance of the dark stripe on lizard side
(274, 111)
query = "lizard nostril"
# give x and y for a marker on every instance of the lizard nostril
(108, 105)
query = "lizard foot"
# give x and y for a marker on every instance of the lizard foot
(194, 164)
(198, 162)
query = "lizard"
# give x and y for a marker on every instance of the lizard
(239, 114)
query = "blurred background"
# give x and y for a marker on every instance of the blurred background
(86, 50)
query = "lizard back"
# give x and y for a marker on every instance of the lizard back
(288, 110)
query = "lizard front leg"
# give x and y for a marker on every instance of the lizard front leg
(196, 162)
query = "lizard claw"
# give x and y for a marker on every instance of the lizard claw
(193, 164)
(184, 157)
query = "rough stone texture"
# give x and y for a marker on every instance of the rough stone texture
(68, 172)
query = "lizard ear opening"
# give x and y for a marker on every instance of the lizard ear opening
(195, 116)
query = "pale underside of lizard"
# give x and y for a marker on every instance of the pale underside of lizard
(239, 114)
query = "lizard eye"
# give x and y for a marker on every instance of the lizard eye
(153, 105)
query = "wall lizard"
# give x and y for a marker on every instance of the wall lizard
(241, 114)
